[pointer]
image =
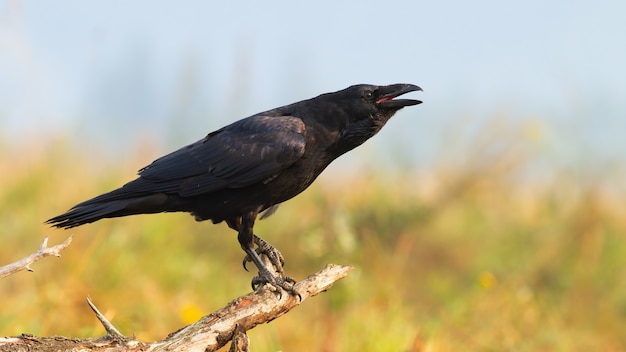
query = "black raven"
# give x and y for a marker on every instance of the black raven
(251, 166)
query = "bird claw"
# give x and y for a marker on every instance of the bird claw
(286, 283)
(275, 279)
(273, 254)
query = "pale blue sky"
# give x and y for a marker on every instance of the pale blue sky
(115, 70)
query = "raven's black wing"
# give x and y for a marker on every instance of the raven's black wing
(246, 152)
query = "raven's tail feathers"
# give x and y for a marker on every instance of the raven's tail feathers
(84, 214)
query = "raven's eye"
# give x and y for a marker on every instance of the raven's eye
(368, 94)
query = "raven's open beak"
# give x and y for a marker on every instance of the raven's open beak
(388, 93)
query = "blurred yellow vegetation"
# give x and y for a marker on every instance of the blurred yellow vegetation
(484, 251)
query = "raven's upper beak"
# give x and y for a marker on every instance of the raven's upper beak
(386, 95)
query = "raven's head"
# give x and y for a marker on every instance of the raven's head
(377, 103)
(364, 109)
(364, 98)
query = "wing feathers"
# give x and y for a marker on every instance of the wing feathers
(241, 154)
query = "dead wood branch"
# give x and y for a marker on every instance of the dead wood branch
(210, 333)
(25, 263)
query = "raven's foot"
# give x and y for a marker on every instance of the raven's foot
(273, 255)
(270, 265)
(287, 283)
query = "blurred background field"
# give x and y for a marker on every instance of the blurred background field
(470, 254)
(489, 218)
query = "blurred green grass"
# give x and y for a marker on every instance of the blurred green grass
(466, 255)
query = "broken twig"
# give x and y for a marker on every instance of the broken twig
(25, 263)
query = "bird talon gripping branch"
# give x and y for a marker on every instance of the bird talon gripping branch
(252, 165)
(276, 283)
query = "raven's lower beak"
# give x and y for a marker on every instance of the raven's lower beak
(388, 93)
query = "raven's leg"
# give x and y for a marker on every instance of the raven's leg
(273, 254)
(246, 239)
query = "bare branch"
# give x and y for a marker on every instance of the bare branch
(210, 333)
(110, 329)
(213, 331)
(240, 341)
(25, 263)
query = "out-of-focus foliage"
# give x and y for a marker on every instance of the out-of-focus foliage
(475, 253)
